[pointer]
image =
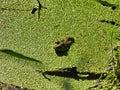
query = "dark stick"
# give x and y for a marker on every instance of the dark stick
(39, 8)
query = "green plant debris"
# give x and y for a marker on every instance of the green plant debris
(26, 43)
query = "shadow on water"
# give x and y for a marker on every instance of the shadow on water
(110, 22)
(18, 55)
(72, 72)
(105, 3)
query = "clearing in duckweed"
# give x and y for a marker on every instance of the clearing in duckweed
(30, 29)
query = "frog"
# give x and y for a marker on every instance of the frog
(62, 47)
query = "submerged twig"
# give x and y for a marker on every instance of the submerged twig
(6, 86)
(13, 9)
(39, 8)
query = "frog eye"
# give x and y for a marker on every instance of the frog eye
(71, 39)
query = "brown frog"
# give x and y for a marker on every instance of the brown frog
(62, 47)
